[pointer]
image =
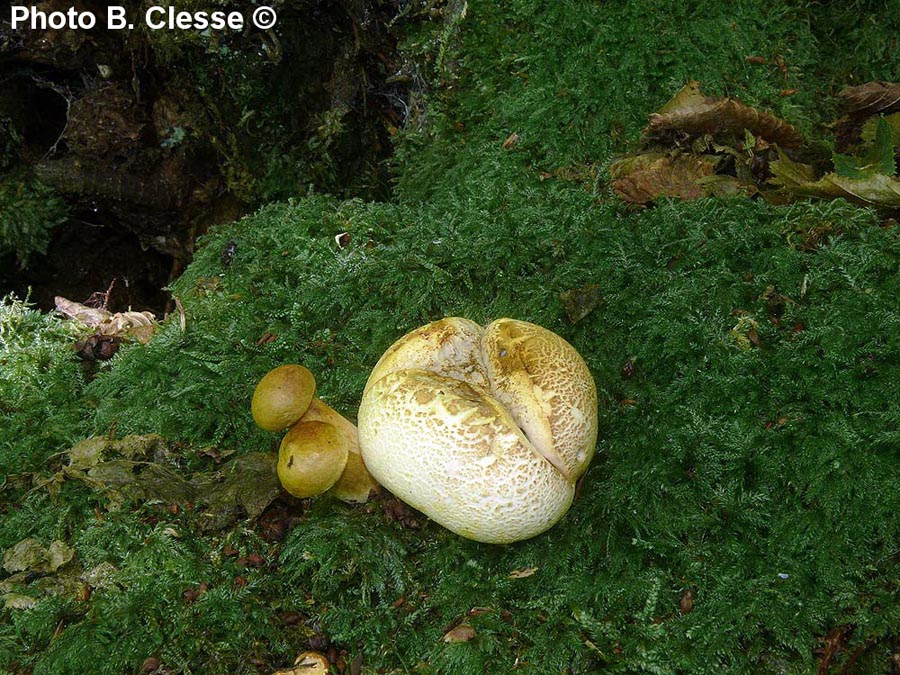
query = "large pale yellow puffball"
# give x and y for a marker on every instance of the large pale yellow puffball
(485, 430)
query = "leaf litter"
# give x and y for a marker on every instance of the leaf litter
(867, 178)
(139, 326)
(691, 113)
(871, 98)
(42, 569)
(698, 146)
(140, 468)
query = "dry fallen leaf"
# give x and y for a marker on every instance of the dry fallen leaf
(579, 302)
(18, 601)
(29, 555)
(871, 98)
(687, 601)
(799, 179)
(44, 571)
(137, 325)
(135, 467)
(692, 113)
(182, 320)
(870, 127)
(523, 573)
(682, 176)
(461, 633)
(745, 332)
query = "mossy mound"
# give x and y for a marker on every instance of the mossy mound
(747, 457)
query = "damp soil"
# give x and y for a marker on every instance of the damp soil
(87, 258)
(152, 141)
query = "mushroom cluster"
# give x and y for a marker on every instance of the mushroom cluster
(485, 430)
(320, 452)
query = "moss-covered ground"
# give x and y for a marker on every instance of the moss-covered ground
(742, 513)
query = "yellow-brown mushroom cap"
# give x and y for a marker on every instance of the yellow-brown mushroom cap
(282, 397)
(311, 458)
(356, 484)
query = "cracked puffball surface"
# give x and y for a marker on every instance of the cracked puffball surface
(483, 430)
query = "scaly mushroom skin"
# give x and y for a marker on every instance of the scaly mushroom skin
(483, 430)
(549, 390)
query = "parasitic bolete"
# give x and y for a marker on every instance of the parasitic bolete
(320, 451)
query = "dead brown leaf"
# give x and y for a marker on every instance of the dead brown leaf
(687, 601)
(745, 332)
(461, 633)
(150, 665)
(98, 347)
(682, 176)
(799, 179)
(523, 573)
(266, 339)
(182, 320)
(832, 645)
(50, 570)
(29, 555)
(871, 98)
(691, 113)
(869, 128)
(18, 601)
(579, 302)
(135, 468)
(137, 325)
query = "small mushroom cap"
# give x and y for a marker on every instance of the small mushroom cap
(452, 451)
(356, 484)
(282, 397)
(311, 458)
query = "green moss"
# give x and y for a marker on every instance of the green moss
(41, 404)
(735, 464)
(28, 213)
